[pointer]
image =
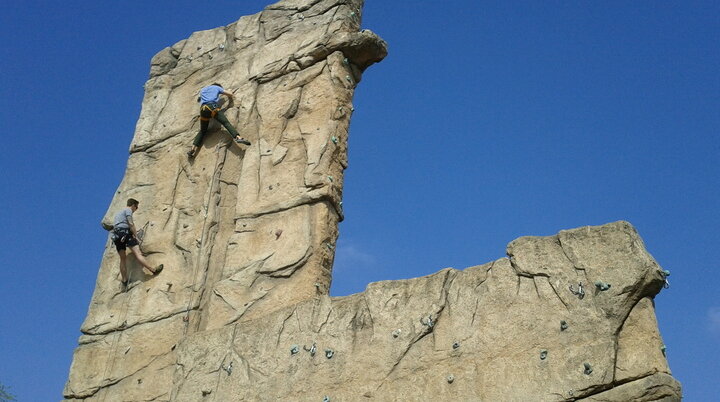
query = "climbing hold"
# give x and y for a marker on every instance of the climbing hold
(221, 47)
(429, 322)
(329, 353)
(602, 286)
(664, 274)
(456, 345)
(563, 325)
(329, 246)
(334, 139)
(663, 349)
(588, 368)
(396, 333)
(352, 14)
(302, 17)
(580, 293)
(450, 379)
(348, 79)
(326, 399)
(330, 178)
(206, 392)
(294, 349)
(278, 233)
(313, 349)
(345, 61)
(543, 354)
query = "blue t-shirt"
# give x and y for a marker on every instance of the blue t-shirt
(210, 94)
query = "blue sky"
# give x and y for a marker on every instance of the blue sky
(487, 121)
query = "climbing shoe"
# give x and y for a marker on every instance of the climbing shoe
(158, 269)
(242, 141)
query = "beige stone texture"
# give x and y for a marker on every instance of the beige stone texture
(247, 236)
(487, 333)
(241, 230)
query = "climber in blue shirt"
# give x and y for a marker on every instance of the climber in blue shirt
(209, 108)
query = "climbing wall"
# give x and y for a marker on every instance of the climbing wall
(247, 236)
(241, 230)
(516, 329)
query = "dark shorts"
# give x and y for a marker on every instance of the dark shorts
(124, 239)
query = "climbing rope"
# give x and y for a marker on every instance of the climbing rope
(116, 342)
(198, 260)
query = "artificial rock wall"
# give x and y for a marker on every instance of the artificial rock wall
(247, 236)
(241, 230)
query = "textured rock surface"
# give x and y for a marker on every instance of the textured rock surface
(247, 236)
(242, 231)
(491, 332)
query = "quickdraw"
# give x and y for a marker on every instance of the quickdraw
(580, 293)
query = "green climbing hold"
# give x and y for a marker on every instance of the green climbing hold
(334, 139)
(329, 353)
(563, 325)
(663, 349)
(294, 349)
(588, 368)
(602, 286)
(543, 354)
(450, 379)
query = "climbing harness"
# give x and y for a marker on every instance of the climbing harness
(602, 286)
(580, 293)
(206, 108)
